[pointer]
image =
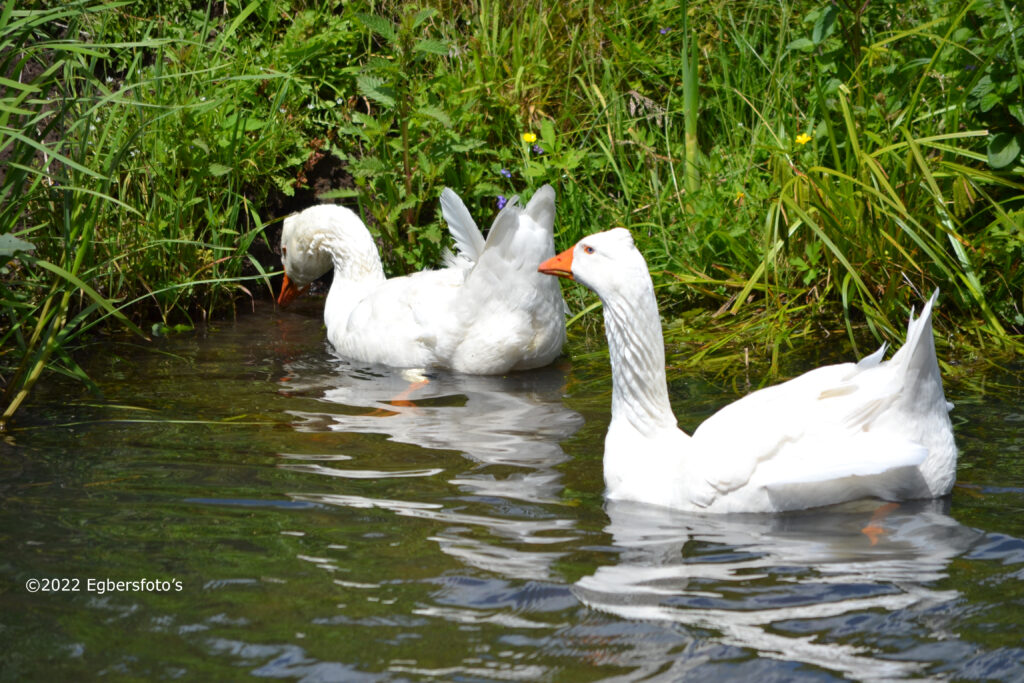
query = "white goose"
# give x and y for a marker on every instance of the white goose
(838, 433)
(488, 312)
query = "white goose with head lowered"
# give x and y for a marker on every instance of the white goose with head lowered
(838, 433)
(488, 312)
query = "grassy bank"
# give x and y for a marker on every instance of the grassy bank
(786, 167)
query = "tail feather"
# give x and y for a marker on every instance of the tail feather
(922, 381)
(469, 243)
(919, 348)
(504, 226)
(540, 210)
(874, 359)
(519, 240)
(541, 207)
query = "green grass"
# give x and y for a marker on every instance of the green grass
(787, 168)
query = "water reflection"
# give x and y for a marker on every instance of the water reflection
(517, 420)
(784, 586)
(510, 547)
(509, 426)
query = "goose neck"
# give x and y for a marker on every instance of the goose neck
(353, 255)
(637, 350)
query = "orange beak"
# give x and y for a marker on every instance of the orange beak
(560, 265)
(288, 292)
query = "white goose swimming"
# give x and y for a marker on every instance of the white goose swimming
(838, 433)
(488, 312)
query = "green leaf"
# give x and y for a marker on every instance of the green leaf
(366, 121)
(251, 123)
(379, 25)
(466, 145)
(423, 15)
(9, 245)
(1004, 149)
(1017, 111)
(983, 87)
(801, 44)
(547, 134)
(988, 101)
(825, 24)
(219, 169)
(341, 193)
(239, 18)
(376, 89)
(431, 46)
(8, 84)
(437, 114)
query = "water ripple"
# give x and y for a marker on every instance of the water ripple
(360, 474)
(838, 574)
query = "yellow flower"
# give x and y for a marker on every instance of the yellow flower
(803, 139)
(740, 195)
(529, 137)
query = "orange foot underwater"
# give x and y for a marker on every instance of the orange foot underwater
(874, 529)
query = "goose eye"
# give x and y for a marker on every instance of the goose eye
(587, 249)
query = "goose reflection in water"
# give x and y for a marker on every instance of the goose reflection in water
(777, 584)
(517, 420)
(510, 426)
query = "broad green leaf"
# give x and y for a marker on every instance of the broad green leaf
(547, 133)
(825, 24)
(9, 244)
(1004, 149)
(988, 101)
(801, 44)
(219, 169)
(1017, 111)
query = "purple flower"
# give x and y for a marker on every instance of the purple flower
(537, 149)
(663, 31)
(505, 173)
(501, 202)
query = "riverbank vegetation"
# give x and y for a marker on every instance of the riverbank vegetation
(788, 168)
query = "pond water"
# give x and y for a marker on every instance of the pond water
(283, 516)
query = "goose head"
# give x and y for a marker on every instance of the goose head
(301, 255)
(607, 262)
